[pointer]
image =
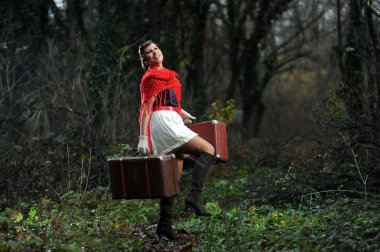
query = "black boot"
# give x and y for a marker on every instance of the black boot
(193, 198)
(164, 226)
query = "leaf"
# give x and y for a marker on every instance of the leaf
(213, 207)
(126, 230)
(252, 208)
(56, 223)
(17, 216)
(32, 213)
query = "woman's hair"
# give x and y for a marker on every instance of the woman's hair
(144, 45)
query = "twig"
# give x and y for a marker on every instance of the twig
(363, 180)
(330, 191)
(88, 175)
(68, 165)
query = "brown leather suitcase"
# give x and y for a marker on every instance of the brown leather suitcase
(215, 133)
(144, 177)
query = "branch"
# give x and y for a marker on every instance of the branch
(374, 11)
(57, 14)
(295, 35)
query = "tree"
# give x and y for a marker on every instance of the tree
(247, 69)
(23, 32)
(375, 66)
(353, 76)
(194, 81)
(100, 68)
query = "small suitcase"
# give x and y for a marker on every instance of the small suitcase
(215, 133)
(143, 177)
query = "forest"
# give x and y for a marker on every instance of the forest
(297, 83)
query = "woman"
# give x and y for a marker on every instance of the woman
(162, 130)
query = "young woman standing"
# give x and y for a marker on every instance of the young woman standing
(163, 130)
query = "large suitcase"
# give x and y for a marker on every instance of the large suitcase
(215, 133)
(143, 177)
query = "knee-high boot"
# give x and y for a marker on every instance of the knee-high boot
(164, 226)
(193, 198)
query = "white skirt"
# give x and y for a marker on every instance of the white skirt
(168, 132)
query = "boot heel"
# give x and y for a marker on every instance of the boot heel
(167, 232)
(197, 207)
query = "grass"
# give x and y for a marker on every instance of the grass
(239, 222)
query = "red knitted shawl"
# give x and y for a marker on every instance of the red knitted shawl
(153, 82)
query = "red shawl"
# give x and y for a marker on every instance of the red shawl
(153, 82)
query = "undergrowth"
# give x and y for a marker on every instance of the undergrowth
(94, 222)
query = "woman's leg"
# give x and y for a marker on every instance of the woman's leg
(180, 158)
(205, 152)
(164, 225)
(196, 146)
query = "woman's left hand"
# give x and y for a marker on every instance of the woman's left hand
(187, 118)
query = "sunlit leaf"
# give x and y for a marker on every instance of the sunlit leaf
(213, 207)
(17, 216)
(252, 208)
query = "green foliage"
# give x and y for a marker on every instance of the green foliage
(223, 112)
(118, 150)
(93, 222)
(72, 225)
(336, 107)
(183, 64)
(311, 228)
(125, 54)
(213, 207)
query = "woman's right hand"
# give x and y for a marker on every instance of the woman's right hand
(187, 117)
(143, 146)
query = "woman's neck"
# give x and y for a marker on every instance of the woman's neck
(157, 67)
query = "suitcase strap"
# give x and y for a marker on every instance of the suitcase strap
(175, 174)
(123, 179)
(147, 178)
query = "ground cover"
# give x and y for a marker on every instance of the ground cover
(92, 221)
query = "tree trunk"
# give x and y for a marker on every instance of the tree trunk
(375, 75)
(339, 32)
(172, 35)
(253, 85)
(195, 80)
(236, 37)
(251, 80)
(155, 19)
(353, 78)
(100, 69)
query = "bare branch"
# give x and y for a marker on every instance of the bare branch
(374, 10)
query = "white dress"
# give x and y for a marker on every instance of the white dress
(168, 132)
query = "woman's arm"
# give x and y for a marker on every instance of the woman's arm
(143, 146)
(146, 113)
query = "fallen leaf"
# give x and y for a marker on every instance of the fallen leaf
(56, 223)
(187, 248)
(252, 208)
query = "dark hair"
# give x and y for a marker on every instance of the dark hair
(142, 46)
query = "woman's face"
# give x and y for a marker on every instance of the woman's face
(153, 55)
